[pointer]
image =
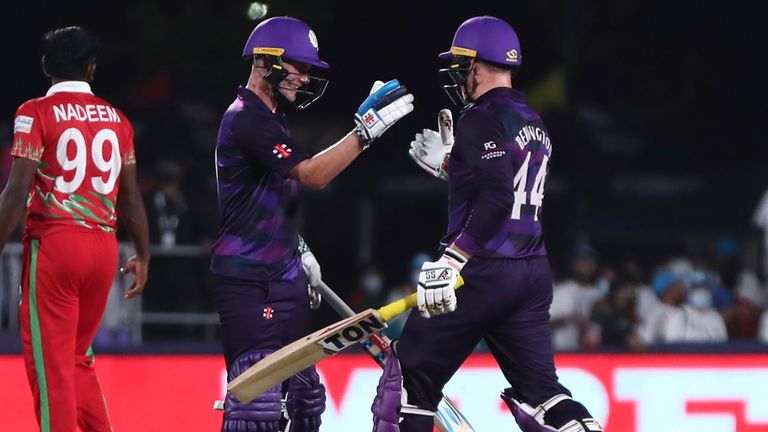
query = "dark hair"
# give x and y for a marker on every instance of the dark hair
(68, 51)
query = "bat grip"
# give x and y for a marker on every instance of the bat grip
(397, 307)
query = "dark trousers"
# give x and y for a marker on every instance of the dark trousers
(260, 315)
(504, 301)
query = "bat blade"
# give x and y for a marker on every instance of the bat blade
(303, 353)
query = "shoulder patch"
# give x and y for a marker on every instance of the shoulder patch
(282, 151)
(23, 124)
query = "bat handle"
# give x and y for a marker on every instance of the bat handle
(397, 307)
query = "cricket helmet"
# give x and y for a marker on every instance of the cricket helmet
(286, 37)
(486, 38)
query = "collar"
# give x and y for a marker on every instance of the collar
(247, 95)
(502, 91)
(70, 87)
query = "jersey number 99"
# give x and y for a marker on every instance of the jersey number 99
(79, 162)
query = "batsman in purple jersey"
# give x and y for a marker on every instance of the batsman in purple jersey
(258, 201)
(492, 171)
(261, 267)
(496, 167)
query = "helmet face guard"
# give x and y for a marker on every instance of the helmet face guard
(287, 39)
(454, 77)
(310, 92)
(277, 72)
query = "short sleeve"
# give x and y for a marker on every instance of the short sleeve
(128, 148)
(27, 133)
(269, 142)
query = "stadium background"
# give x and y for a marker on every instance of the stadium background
(655, 110)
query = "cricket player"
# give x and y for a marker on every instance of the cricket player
(73, 173)
(260, 285)
(496, 171)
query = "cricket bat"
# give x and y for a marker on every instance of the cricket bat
(303, 353)
(447, 417)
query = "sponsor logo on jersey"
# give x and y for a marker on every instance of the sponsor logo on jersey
(23, 124)
(492, 154)
(281, 151)
(492, 151)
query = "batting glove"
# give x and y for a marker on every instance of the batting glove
(435, 294)
(312, 269)
(431, 150)
(386, 104)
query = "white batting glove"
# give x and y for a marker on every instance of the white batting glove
(312, 269)
(435, 294)
(387, 103)
(431, 150)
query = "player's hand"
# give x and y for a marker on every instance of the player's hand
(435, 294)
(139, 268)
(312, 269)
(431, 150)
(315, 298)
(386, 104)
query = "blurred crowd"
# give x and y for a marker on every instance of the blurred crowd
(629, 307)
(681, 300)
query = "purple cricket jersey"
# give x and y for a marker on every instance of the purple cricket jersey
(258, 202)
(496, 174)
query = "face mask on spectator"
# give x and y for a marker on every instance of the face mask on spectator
(603, 285)
(700, 298)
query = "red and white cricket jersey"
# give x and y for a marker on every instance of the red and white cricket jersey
(82, 142)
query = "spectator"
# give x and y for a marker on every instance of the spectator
(617, 318)
(699, 321)
(171, 221)
(685, 313)
(645, 298)
(573, 300)
(738, 273)
(372, 284)
(671, 290)
(762, 331)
